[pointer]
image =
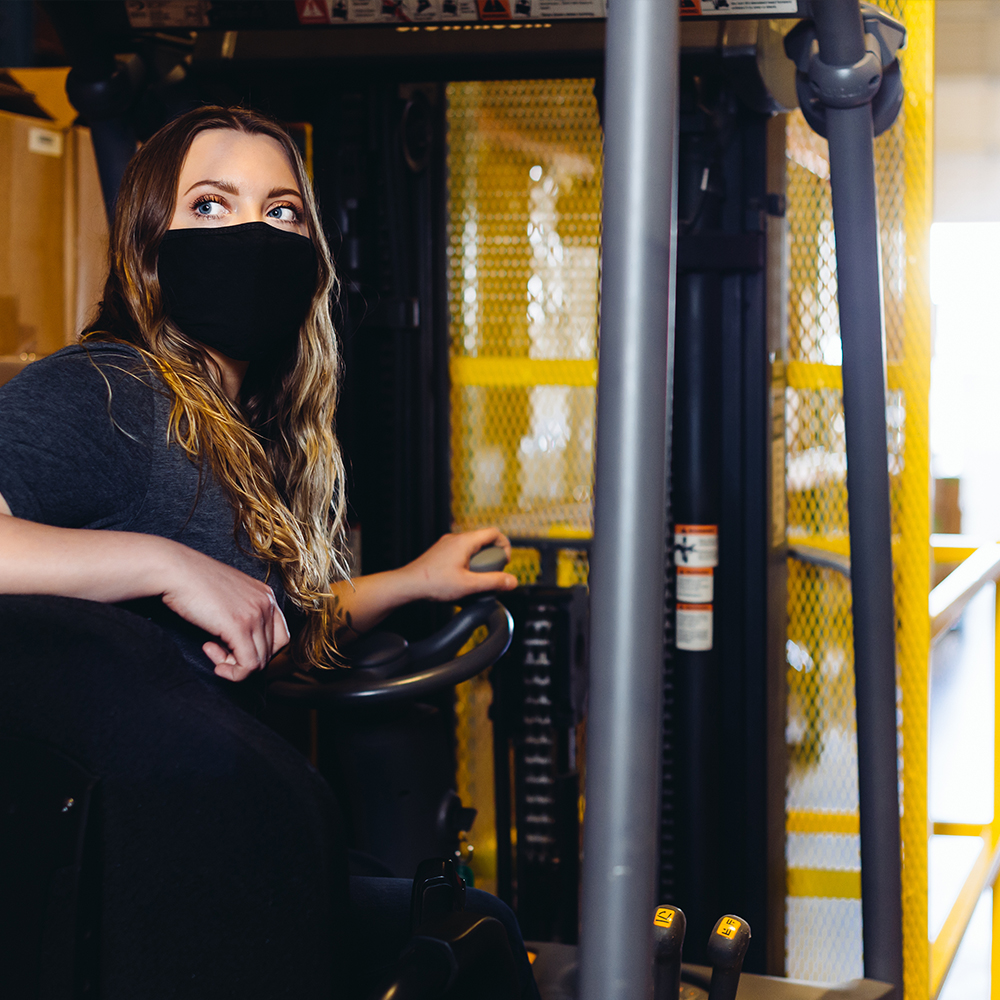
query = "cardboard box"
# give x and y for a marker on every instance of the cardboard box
(53, 228)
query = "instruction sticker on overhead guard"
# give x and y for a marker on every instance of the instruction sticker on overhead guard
(694, 627)
(695, 585)
(560, 8)
(383, 11)
(727, 8)
(696, 545)
(167, 13)
(513, 10)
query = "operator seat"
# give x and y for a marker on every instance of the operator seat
(129, 788)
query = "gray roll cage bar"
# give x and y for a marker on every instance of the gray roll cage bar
(848, 84)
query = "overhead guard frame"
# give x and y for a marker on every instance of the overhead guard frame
(632, 483)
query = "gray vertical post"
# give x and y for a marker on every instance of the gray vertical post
(627, 565)
(859, 296)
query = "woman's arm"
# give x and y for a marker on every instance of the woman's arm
(441, 574)
(113, 566)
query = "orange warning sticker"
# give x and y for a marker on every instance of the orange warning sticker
(664, 916)
(694, 627)
(728, 927)
(696, 545)
(495, 10)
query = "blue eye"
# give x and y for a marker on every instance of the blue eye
(208, 208)
(283, 213)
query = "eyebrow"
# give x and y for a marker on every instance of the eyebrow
(232, 189)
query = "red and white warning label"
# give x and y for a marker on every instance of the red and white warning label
(696, 545)
(694, 627)
(496, 10)
(416, 11)
(695, 585)
(384, 11)
(729, 8)
(514, 10)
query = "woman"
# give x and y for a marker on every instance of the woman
(181, 462)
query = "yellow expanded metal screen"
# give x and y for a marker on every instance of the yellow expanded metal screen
(525, 160)
(823, 851)
(524, 243)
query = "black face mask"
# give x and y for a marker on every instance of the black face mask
(244, 290)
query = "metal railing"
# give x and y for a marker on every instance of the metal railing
(976, 566)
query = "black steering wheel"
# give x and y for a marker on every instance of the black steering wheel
(386, 669)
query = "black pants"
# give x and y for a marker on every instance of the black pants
(224, 863)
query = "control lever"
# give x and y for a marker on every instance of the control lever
(492, 559)
(669, 924)
(438, 890)
(727, 947)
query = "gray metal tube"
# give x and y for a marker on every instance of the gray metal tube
(859, 296)
(627, 563)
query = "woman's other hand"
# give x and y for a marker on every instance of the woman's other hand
(442, 573)
(238, 609)
(114, 566)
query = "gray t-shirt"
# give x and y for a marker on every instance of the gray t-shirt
(83, 444)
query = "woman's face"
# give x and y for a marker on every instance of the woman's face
(230, 178)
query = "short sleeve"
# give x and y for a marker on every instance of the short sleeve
(75, 438)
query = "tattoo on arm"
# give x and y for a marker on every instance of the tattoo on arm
(343, 625)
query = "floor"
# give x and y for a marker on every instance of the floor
(960, 779)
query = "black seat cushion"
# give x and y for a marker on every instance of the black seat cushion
(222, 862)
(49, 874)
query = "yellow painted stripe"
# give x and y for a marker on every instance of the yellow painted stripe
(942, 554)
(823, 883)
(809, 375)
(953, 548)
(523, 371)
(960, 829)
(819, 821)
(568, 531)
(840, 544)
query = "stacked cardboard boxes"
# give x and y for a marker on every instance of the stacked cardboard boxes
(53, 228)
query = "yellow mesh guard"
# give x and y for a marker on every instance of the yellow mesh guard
(524, 235)
(824, 913)
(524, 240)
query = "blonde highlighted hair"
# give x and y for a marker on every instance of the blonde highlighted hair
(274, 450)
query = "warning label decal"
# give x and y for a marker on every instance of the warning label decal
(384, 11)
(694, 627)
(513, 10)
(167, 13)
(495, 10)
(729, 8)
(696, 545)
(417, 11)
(695, 585)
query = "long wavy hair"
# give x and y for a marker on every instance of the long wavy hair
(274, 450)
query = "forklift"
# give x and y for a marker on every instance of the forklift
(677, 682)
